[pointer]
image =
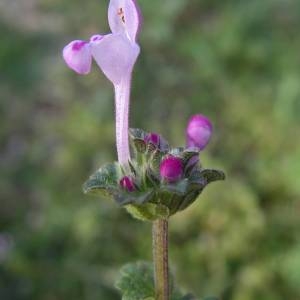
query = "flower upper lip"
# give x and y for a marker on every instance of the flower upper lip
(124, 17)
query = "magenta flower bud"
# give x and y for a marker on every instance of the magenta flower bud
(171, 168)
(198, 131)
(127, 184)
(153, 138)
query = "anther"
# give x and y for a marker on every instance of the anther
(121, 14)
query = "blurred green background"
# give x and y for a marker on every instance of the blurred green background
(236, 61)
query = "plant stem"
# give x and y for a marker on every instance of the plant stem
(160, 259)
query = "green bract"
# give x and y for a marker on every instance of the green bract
(153, 197)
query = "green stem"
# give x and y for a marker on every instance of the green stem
(160, 259)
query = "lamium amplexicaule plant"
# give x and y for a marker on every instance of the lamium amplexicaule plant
(153, 181)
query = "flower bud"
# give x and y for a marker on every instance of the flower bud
(127, 184)
(198, 131)
(171, 168)
(153, 138)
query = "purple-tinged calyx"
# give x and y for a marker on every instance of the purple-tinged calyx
(115, 53)
(198, 131)
(153, 138)
(171, 169)
(127, 184)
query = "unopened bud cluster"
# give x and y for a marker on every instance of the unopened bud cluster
(159, 180)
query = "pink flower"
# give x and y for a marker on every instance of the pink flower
(198, 131)
(115, 53)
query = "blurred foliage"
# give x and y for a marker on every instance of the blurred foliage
(236, 61)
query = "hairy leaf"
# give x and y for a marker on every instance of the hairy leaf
(104, 180)
(212, 175)
(136, 281)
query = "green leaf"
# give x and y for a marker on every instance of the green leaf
(189, 199)
(178, 188)
(212, 175)
(145, 212)
(162, 211)
(196, 181)
(123, 197)
(136, 281)
(104, 180)
(148, 211)
(151, 179)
